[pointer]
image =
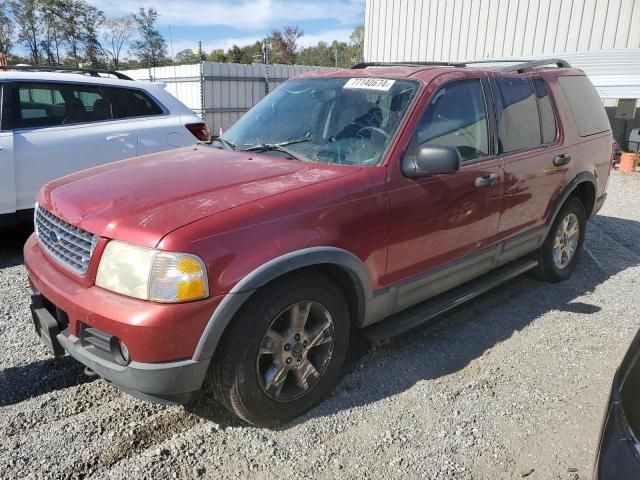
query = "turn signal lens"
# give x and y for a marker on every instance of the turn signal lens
(177, 277)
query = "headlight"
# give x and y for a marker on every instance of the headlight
(150, 274)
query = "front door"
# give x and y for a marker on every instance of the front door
(446, 223)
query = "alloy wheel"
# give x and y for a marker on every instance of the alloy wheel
(295, 350)
(566, 240)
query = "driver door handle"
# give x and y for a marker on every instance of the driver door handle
(487, 181)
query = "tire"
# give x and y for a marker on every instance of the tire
(549, 268)
(242, 374)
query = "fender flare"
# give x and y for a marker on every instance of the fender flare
(244, 289)
(582, 177)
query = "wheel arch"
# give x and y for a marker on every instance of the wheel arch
(583, 186)
(338, 264)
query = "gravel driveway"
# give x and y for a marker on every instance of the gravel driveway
(513, 385)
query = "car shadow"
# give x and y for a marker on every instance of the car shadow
(38, 378)
(11, 243)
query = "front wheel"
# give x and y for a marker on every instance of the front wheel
(559, 254)
(283, 351)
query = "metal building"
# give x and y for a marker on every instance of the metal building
(220, 92)
(602, 37)
(397, 30)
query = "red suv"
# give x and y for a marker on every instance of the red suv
(340, 200)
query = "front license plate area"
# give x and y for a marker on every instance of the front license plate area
(47, 329)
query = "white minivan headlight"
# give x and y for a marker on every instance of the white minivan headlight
(151, 274)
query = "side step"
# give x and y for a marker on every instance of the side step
(430, 309)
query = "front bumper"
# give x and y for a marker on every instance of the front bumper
(160, 382)
(161, 338)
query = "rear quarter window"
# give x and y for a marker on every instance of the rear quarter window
(131, 103)
(586, 106)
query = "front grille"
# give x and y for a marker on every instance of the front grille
(70, 246)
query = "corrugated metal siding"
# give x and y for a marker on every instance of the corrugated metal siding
(401, 30)
(230, 89)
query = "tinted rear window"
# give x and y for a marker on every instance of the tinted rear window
(585, 105)
(132, 103)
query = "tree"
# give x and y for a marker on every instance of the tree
(116, 33)
(7, 28)
(27, 18)
(357, 44)
(285, 44)
(187, 57)
(234, 54)
(150, 48)
(217, 56)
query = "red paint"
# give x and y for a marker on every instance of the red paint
(240, 210)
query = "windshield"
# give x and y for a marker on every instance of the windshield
(349, 121)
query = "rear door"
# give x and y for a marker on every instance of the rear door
(528, 141)
(62, 128)
(7, 174)
(157, 128)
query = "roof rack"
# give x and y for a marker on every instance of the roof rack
(407, 64)
(94, 72)
(531, 64)
(520, 66)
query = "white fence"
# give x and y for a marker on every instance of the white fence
(222, 91)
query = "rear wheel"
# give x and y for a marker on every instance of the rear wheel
(283, 351)
(559, 254)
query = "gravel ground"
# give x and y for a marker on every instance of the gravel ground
(511, 386)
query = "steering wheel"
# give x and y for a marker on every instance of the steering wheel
(377, 130)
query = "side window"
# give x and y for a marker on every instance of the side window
(457, 116)
(40, 105)
(131, 103)
(586, 106)
(547, 115)
(517, 111)
(46, 105)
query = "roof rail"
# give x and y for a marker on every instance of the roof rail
(94, 72)
(407, 64)
(521, 65)
(531, 64)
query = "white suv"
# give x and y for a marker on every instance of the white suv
(53, 124)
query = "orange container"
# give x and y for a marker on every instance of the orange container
(628, 162)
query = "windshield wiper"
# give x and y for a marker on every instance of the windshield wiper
(228, 145)
(279, 147)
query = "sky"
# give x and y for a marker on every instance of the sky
(222, 23)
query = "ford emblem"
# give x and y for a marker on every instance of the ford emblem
(53, 236)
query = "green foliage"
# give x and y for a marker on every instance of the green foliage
(150, 47)
(7, 28)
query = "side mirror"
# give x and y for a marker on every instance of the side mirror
(430, 160)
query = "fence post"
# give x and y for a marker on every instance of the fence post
(202, 104)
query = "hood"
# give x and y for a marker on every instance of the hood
(142, 199)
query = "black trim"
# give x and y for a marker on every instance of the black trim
(94, 72)
(427, 311)
(568, 190)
